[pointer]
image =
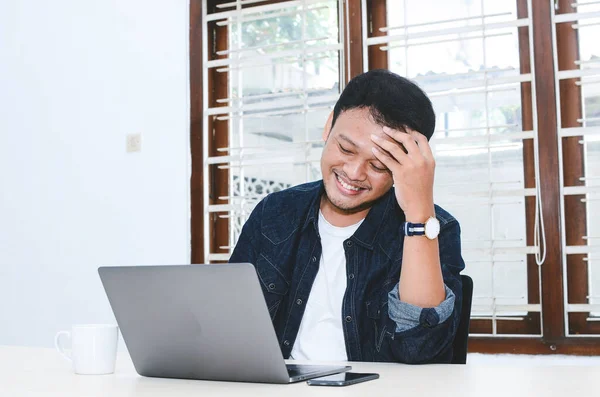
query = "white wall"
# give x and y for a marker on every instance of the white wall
(76, 76)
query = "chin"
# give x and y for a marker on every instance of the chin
(345, 204)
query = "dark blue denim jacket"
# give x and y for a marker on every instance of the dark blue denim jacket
(281, 239)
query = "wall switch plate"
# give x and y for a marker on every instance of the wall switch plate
(134, 143)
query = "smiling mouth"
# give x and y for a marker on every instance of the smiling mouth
(347, 186)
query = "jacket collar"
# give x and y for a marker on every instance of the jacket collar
(368, 231)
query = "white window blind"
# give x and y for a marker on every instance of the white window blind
(583, 17)
(465, 55)
(283, 65)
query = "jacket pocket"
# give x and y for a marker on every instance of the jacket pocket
(274, 285)
(376, 311)
(270, 277)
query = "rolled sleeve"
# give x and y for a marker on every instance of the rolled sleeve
(407, 316)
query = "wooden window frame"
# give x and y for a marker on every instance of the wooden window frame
(554, 339)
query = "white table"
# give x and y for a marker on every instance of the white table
(42, 372)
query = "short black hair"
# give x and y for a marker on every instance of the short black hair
(392, 100)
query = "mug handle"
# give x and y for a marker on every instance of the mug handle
(58, 345)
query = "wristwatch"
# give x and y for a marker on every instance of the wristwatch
(429, 229)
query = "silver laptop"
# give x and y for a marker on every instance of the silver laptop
(200, 322)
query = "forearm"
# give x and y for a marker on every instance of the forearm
(409, 158)
(424, 332)
(421, 282)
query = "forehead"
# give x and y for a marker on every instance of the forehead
(356, 123)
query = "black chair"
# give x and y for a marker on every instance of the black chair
(461, 340)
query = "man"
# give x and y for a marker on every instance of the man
(352, 266)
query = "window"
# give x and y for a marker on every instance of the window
(283, 66)
(466, 56)
(505, 76)
(577, 71)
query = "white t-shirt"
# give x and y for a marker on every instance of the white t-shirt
(321, 336)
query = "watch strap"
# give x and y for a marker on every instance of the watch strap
(414, 229)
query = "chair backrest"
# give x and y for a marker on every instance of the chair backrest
(459, 346)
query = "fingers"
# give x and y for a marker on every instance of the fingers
(391, 148)
(386, 159)
(422, 143)
(414, 142)
(409, 148)
(407, 140)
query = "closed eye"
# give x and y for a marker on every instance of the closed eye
(344, 150)
(379, 169)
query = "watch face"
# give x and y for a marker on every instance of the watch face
(432, 228)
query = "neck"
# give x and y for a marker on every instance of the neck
(338, 217)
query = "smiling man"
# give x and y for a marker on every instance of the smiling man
(361, 265)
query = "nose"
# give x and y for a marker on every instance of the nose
(355, 170)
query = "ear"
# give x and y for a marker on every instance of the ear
(327, 127)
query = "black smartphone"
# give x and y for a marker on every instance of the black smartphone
(343, 379)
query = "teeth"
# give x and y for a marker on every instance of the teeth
(349, 187)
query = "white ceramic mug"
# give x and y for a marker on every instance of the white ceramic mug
(93, 348)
